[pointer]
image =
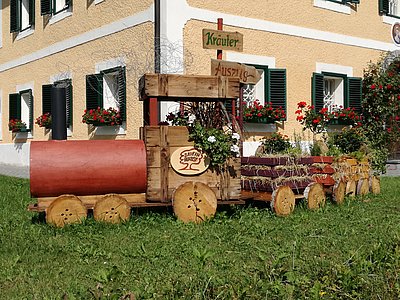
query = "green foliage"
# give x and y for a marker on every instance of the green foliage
(381, 92)
(276, 143)
(350, 251)
(349, 140)
(217, 144)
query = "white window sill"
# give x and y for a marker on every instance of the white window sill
(97, 2)
(60, 16)
(24, 34)
(23, 135)
(390, 20)
(259, 127)
(337, 7)
(110, 130)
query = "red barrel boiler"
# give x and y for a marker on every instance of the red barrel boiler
(94, 167)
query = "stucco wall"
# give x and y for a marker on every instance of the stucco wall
(133, 47)
(297, 55)
(363, 21)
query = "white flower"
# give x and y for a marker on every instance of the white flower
(212, 139)
(235, 148)
(191, 119)
(235, 136)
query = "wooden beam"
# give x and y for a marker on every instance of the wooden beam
(188, 87)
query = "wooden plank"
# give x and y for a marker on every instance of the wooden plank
(258, 186)
(274, 173)
(246, 74)
(164, 161)
(187, 87)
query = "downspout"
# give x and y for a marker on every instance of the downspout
(157, 33)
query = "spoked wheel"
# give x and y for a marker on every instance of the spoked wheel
(194, 202)
(112, 208)
(339, 192)
(283, 201)
(315, 195)
(65, 209)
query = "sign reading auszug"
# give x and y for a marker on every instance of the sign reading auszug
(222, 40)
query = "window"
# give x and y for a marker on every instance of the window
(53, 7)
(270, 88)
(21, 107)
(333, 89)
(390, 8)
(46, 98)
(22, 15)
(107, 89)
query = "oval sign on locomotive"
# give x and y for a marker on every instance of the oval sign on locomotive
(189, 161)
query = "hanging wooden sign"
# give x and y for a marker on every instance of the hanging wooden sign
(222, 40)
(189, 161)
(246, 74)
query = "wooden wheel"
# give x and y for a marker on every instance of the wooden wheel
(362, 187)
(283, 201)
(65, 209)
(315, 195)
(339, 192)
(351, 188)
(194, 202)
(375, 184)
(111, 208)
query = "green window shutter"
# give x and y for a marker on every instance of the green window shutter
(30, 110)
(121, 78)
(354, 93)
(14, 16)
(14, 106)
(94, 91)
(31, 12)
(317, 93)
(384, 6)
(68, 94)
(46, 98)
(45, 7)
(277, 88)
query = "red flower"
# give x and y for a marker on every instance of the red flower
(315, 121)
(299, 118)
(380, 86)
(373, 86)
(298, 111)
(301, 104)
(389, 86)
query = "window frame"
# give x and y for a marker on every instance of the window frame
(18, 108)
(46, 98)
(267, 87)
(95, 89)
(347, 93)
(16, 8)
(384, 9)
(48, 7)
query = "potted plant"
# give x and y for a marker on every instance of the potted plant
(44, 121)
(255, 112)
(102, 117)
(17, 125)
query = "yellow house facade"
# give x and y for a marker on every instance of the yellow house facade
(98, 49)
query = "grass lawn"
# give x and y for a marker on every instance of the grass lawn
(350, 251)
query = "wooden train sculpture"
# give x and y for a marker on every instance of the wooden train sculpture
(70, 177)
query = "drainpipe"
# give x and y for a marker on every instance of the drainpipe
(157, 33)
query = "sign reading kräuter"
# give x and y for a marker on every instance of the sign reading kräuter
(222, 40)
